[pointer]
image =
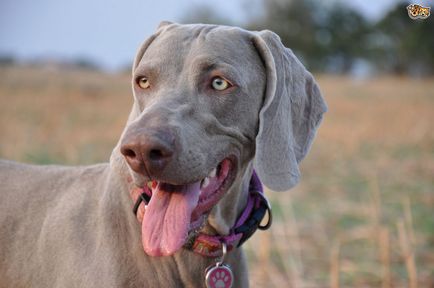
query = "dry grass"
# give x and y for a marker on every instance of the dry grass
(61, 116)
(362, 215)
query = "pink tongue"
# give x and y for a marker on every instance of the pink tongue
(166, 221)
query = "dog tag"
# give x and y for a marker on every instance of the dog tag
(219, 275)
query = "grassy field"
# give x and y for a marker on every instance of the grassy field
(363, 214)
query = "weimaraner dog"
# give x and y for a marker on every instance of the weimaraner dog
(215, 108)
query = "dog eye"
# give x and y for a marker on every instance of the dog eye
(220, 84)
(143, 82)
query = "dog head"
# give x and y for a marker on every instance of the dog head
(208, 102)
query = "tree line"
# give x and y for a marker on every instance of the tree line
(339, 39)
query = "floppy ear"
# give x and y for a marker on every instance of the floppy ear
(292, 110)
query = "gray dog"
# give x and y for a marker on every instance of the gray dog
(214, 106)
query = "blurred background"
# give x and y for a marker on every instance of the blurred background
(362, 215)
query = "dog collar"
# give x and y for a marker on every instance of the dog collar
(248, 222)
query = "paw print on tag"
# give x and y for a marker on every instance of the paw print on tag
(219, 277)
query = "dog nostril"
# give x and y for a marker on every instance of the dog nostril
(129, 153)
(155, 154)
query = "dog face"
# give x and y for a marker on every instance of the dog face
(205, 91)
(207, 99)
(198, 92)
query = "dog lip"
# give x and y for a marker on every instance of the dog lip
(207, 202)
(174, 186)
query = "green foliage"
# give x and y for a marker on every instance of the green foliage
(407, 45)
(332, 37)
(321, 35)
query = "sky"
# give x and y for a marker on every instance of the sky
(109, 32)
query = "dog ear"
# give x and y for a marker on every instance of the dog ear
(161, 27)
(164, 23)
(291, 112)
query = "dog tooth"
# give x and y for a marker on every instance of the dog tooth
(212, 173)
(205, 182)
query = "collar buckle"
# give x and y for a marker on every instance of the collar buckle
(262, 207)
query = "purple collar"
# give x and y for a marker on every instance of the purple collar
(248, 222)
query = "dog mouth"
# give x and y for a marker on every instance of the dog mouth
(176, 210)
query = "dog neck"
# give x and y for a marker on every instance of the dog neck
(248, 220)
(224, 215)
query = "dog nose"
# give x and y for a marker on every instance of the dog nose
(148, 154)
